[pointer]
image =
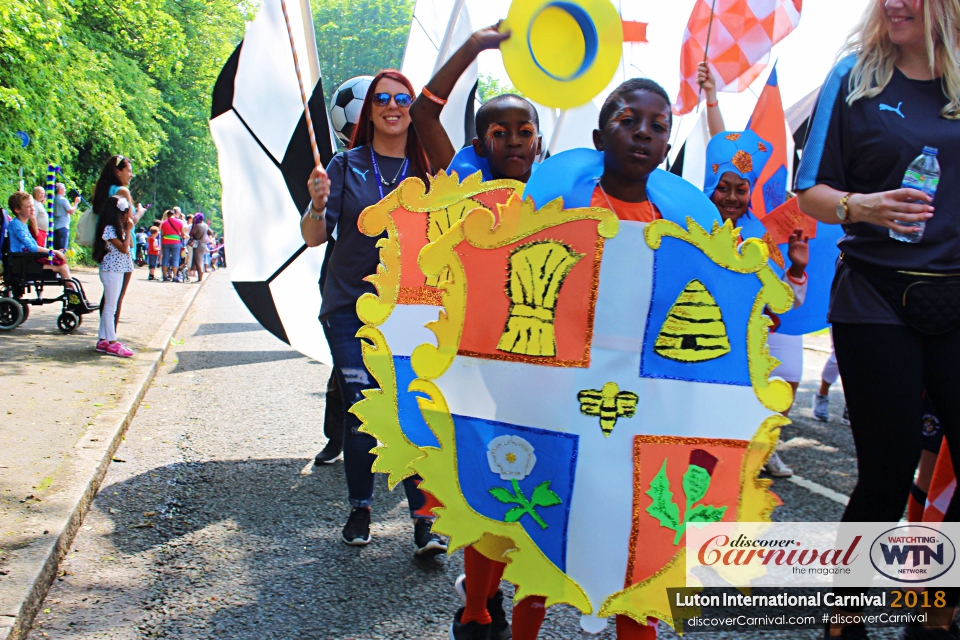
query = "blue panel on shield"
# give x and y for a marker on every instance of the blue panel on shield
(411, 419)
(676, 265)
(555, 462)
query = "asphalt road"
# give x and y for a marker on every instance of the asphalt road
(208, 527)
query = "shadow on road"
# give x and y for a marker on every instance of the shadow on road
(252, 549)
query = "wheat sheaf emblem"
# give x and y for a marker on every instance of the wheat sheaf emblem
(535, 273)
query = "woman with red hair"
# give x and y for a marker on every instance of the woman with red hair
(383, 151)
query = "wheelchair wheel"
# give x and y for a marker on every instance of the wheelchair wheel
(26, 312)
(11, 314)
(68, 321)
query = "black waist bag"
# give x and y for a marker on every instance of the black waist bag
(928, 302)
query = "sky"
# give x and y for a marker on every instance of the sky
(803, 58)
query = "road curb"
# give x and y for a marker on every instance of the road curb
(90, 459)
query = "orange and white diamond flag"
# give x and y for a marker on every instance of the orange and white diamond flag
(737, 36)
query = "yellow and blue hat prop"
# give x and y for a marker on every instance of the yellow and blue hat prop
(562, 52)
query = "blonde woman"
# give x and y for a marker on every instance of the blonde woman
(896, 91)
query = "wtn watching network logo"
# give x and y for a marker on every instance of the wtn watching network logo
(912, 553)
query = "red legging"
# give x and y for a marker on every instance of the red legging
(481, 583)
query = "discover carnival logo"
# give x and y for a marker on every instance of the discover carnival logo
(912, 553)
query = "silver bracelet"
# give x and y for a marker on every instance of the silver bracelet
(310, 214)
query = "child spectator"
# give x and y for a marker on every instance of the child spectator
(153, 251)
(111, 248)
(22, 242)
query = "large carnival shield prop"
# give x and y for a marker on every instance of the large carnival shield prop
(573, 389)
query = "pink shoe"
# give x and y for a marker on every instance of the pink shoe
(102, 346)
(117, 349)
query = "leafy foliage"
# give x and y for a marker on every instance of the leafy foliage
(86, 79)
(542, 496)
(359, 38)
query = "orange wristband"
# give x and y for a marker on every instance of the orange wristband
(713, 104)
(431, 97)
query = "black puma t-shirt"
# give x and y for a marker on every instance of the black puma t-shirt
(866, 147)
(353, 188)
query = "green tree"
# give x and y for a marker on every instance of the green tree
(489, 86)
(359, 37)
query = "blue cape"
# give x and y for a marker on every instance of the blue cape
(467, 163)
(573, 175)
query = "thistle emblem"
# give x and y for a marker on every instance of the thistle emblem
(609, 403)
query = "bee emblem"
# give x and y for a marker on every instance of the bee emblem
(609, 403)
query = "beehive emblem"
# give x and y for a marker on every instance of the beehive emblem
(694, 330)
(535, 273)
(609, 404)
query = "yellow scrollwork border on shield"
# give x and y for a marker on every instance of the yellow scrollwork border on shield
(724, 247)
(517, 220)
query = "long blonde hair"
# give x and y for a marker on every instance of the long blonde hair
(877, 55)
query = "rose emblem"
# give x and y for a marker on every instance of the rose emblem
(511, 456)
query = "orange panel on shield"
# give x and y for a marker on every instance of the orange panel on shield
(533, 301)
(721, 460)
(416, 230)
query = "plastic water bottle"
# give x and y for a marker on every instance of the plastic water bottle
(923, 174)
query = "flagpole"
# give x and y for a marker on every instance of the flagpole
(555, 136)
(706, 46)
(303, 93)
(448, 35)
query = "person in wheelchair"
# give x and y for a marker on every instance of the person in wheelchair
(22, 242)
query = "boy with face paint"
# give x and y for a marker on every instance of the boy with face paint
(507, 145)
(634, 135)
(508, 129)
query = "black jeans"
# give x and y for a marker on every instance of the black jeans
(885, 369)
(333, 413)
(353, 378)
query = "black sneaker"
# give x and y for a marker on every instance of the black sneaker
(426, 543)
(473, 630)
(357, 530)
(499, 628)
(330, 454)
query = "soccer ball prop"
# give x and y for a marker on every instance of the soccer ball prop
(346, 104)
(265, 159)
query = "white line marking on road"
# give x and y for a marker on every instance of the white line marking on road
(819, 489)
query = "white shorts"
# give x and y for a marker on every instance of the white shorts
(789, 351)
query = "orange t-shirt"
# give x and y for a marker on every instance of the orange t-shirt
(633, 211)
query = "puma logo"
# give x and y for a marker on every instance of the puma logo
(886, 107)
(362, 174)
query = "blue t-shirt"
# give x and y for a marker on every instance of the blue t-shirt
(61, 213)
(866, 148)
(353, 188)
(20, 239)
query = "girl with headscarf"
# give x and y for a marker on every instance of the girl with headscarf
(735, 160)
(198, 240)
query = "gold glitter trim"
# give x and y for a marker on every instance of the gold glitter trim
(527, 566)
(639, 511)
(716, 168)
(446, 190)
(743, 161)
(775, 254)
(761, 146)
(649, 598)
(518, 219)
(584, 360)
(374, 309)
(430, 296)
(733, 136)
(723, 246)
